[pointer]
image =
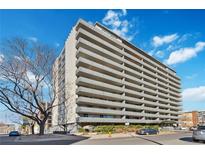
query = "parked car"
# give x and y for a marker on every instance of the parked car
(147, 131)
(184, 128)
(193, 128)
(14, 133)
(199, 134)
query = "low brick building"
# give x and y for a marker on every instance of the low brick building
(189, 119)
(6, 128)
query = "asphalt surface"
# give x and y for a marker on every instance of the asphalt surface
(43, 140)
(181, 138)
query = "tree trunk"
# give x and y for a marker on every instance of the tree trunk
(42, 127)
(65, 128)
(32, 129)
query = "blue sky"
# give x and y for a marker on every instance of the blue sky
(175, 37)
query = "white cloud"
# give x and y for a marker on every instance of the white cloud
(34, 39)
(172, 47)
(184, 54)
(1, 58)
(124, 11)
(17, 58)
(112, 18)
(196, 94)
(31, 76)
(160, 40)
(159, 54)
(184, 38)
(151, 52)
(118, 24)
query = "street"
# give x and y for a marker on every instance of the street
(181, 138)
(53, 139)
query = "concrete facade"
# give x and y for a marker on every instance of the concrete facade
(102, 78)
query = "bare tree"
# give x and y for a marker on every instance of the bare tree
(26, 83)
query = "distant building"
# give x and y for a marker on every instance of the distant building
(27, 123)
(189, 119)
(25, 128)
(201, 117)
(6, 128)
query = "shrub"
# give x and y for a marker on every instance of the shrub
(119, 129)
(81, 130)
(152, 126)
(104, 129)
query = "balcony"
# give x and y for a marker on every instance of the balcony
(81, 52)
(82, 91)
(98, 67)
(97, 49)
(81, 81)
(84, 72)
(82, 33)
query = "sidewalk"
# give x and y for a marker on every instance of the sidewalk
(103, 136)
(120, 135)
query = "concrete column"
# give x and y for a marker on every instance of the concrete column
(123, 102)
(124, 109)
(142, 78)
(143, 111)
(157, 91)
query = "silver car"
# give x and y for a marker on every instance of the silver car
(199, 134)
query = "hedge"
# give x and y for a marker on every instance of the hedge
(105, 129)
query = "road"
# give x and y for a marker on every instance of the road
(53, 139)
(181, 138)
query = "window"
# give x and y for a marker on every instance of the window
(85, 115)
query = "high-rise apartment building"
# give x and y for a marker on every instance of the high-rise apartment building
(103, 79)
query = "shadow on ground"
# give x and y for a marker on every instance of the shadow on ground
(66, 140)
(188, 139)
